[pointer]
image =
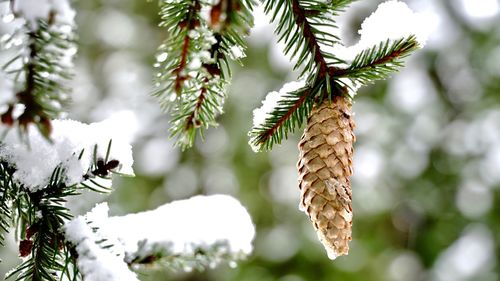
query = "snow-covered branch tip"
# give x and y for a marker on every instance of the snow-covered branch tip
(279, 114)
(42, 40)
(196, 233)
(193, 63)
(390, 34)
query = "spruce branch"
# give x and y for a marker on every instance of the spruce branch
(180, 19)
(41, 213)
(42, 241)
(291, 112)
(378, 62)
(199, 259)
(45, 69)
(197, 111)
(301, 26)
(194, 61)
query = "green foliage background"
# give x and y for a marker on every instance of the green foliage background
(426, 189)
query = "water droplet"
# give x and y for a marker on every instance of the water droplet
(161, 57)
(8, 18)
(188, 268)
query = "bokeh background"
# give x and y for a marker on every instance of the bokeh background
(427, 160)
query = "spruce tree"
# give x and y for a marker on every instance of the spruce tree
(50, 160)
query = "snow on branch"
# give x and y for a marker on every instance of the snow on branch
(193, 63)
(393, 20)
(281, 112)
(390, 34)
(94, 262)
(42, 42)
(199, 232)
(74, 145)
(33, 11)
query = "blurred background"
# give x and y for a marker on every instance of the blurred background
(427, 160)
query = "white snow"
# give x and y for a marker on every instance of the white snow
(162, 57)
(392, 20)
(35, 163)
(34, 10)
(184, 225)
(8, 23)
(94, 262)
(178, 228)
(6, 89)
(236, 52)
(269, 104)
(65, 55)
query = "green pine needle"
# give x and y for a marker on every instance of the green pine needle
(380, 61)
(303, 25)
(8, 191)
(291, 112)
(197, 111)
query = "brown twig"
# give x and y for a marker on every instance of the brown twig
(312, 42)
(190, 120)
(270, 132)
(189, 23)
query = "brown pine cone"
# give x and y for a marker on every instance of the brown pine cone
(325, 165)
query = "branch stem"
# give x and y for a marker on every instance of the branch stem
(270, 132)
(312, 42)
(190, 120)
(190, 23)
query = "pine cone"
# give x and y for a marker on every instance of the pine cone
(325, 165)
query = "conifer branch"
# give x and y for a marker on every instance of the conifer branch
(291, 112)
(194, 65)
(200, 101)
(197, 110)
(379, 61)
(312, 43)
(189, 23)
(42, 241)
(45, 70)
(301, 27)
(199, 259)
(41, 214)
